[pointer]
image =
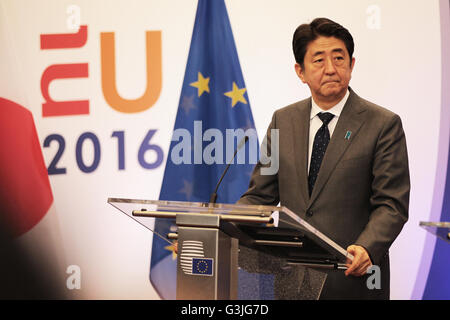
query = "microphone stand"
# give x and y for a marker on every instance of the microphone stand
(213, 197)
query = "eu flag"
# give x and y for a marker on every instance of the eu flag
(213, 103)
(202, 266)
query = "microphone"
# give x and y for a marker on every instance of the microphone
(213, 197)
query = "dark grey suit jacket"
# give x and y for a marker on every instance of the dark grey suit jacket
(361, 195)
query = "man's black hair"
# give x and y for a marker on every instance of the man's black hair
(325, 27)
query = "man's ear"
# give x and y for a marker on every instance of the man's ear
(299, 72)
(352, 65)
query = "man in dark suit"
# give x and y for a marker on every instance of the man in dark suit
(343, 163)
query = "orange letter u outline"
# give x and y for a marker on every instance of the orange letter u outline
(154, 74)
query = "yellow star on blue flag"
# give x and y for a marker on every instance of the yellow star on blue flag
(236, 95)
(172, 249)
(202, 84)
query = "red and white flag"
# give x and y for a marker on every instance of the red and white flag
(31, 258)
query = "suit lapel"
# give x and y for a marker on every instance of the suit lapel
(300, 123)
(349, 123)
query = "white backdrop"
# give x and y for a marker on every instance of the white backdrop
(398, 65)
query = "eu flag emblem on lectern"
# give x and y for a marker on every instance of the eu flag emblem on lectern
(202, 266)
(213, 99)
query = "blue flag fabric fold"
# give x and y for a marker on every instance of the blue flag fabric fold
(213, 115)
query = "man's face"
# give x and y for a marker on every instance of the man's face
(327, 70)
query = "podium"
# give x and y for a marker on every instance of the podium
(231, 251)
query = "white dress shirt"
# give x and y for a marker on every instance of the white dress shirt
(315, 123)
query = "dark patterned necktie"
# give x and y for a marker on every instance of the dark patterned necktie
(319, 147)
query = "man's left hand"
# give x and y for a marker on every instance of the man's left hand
(361, 261)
